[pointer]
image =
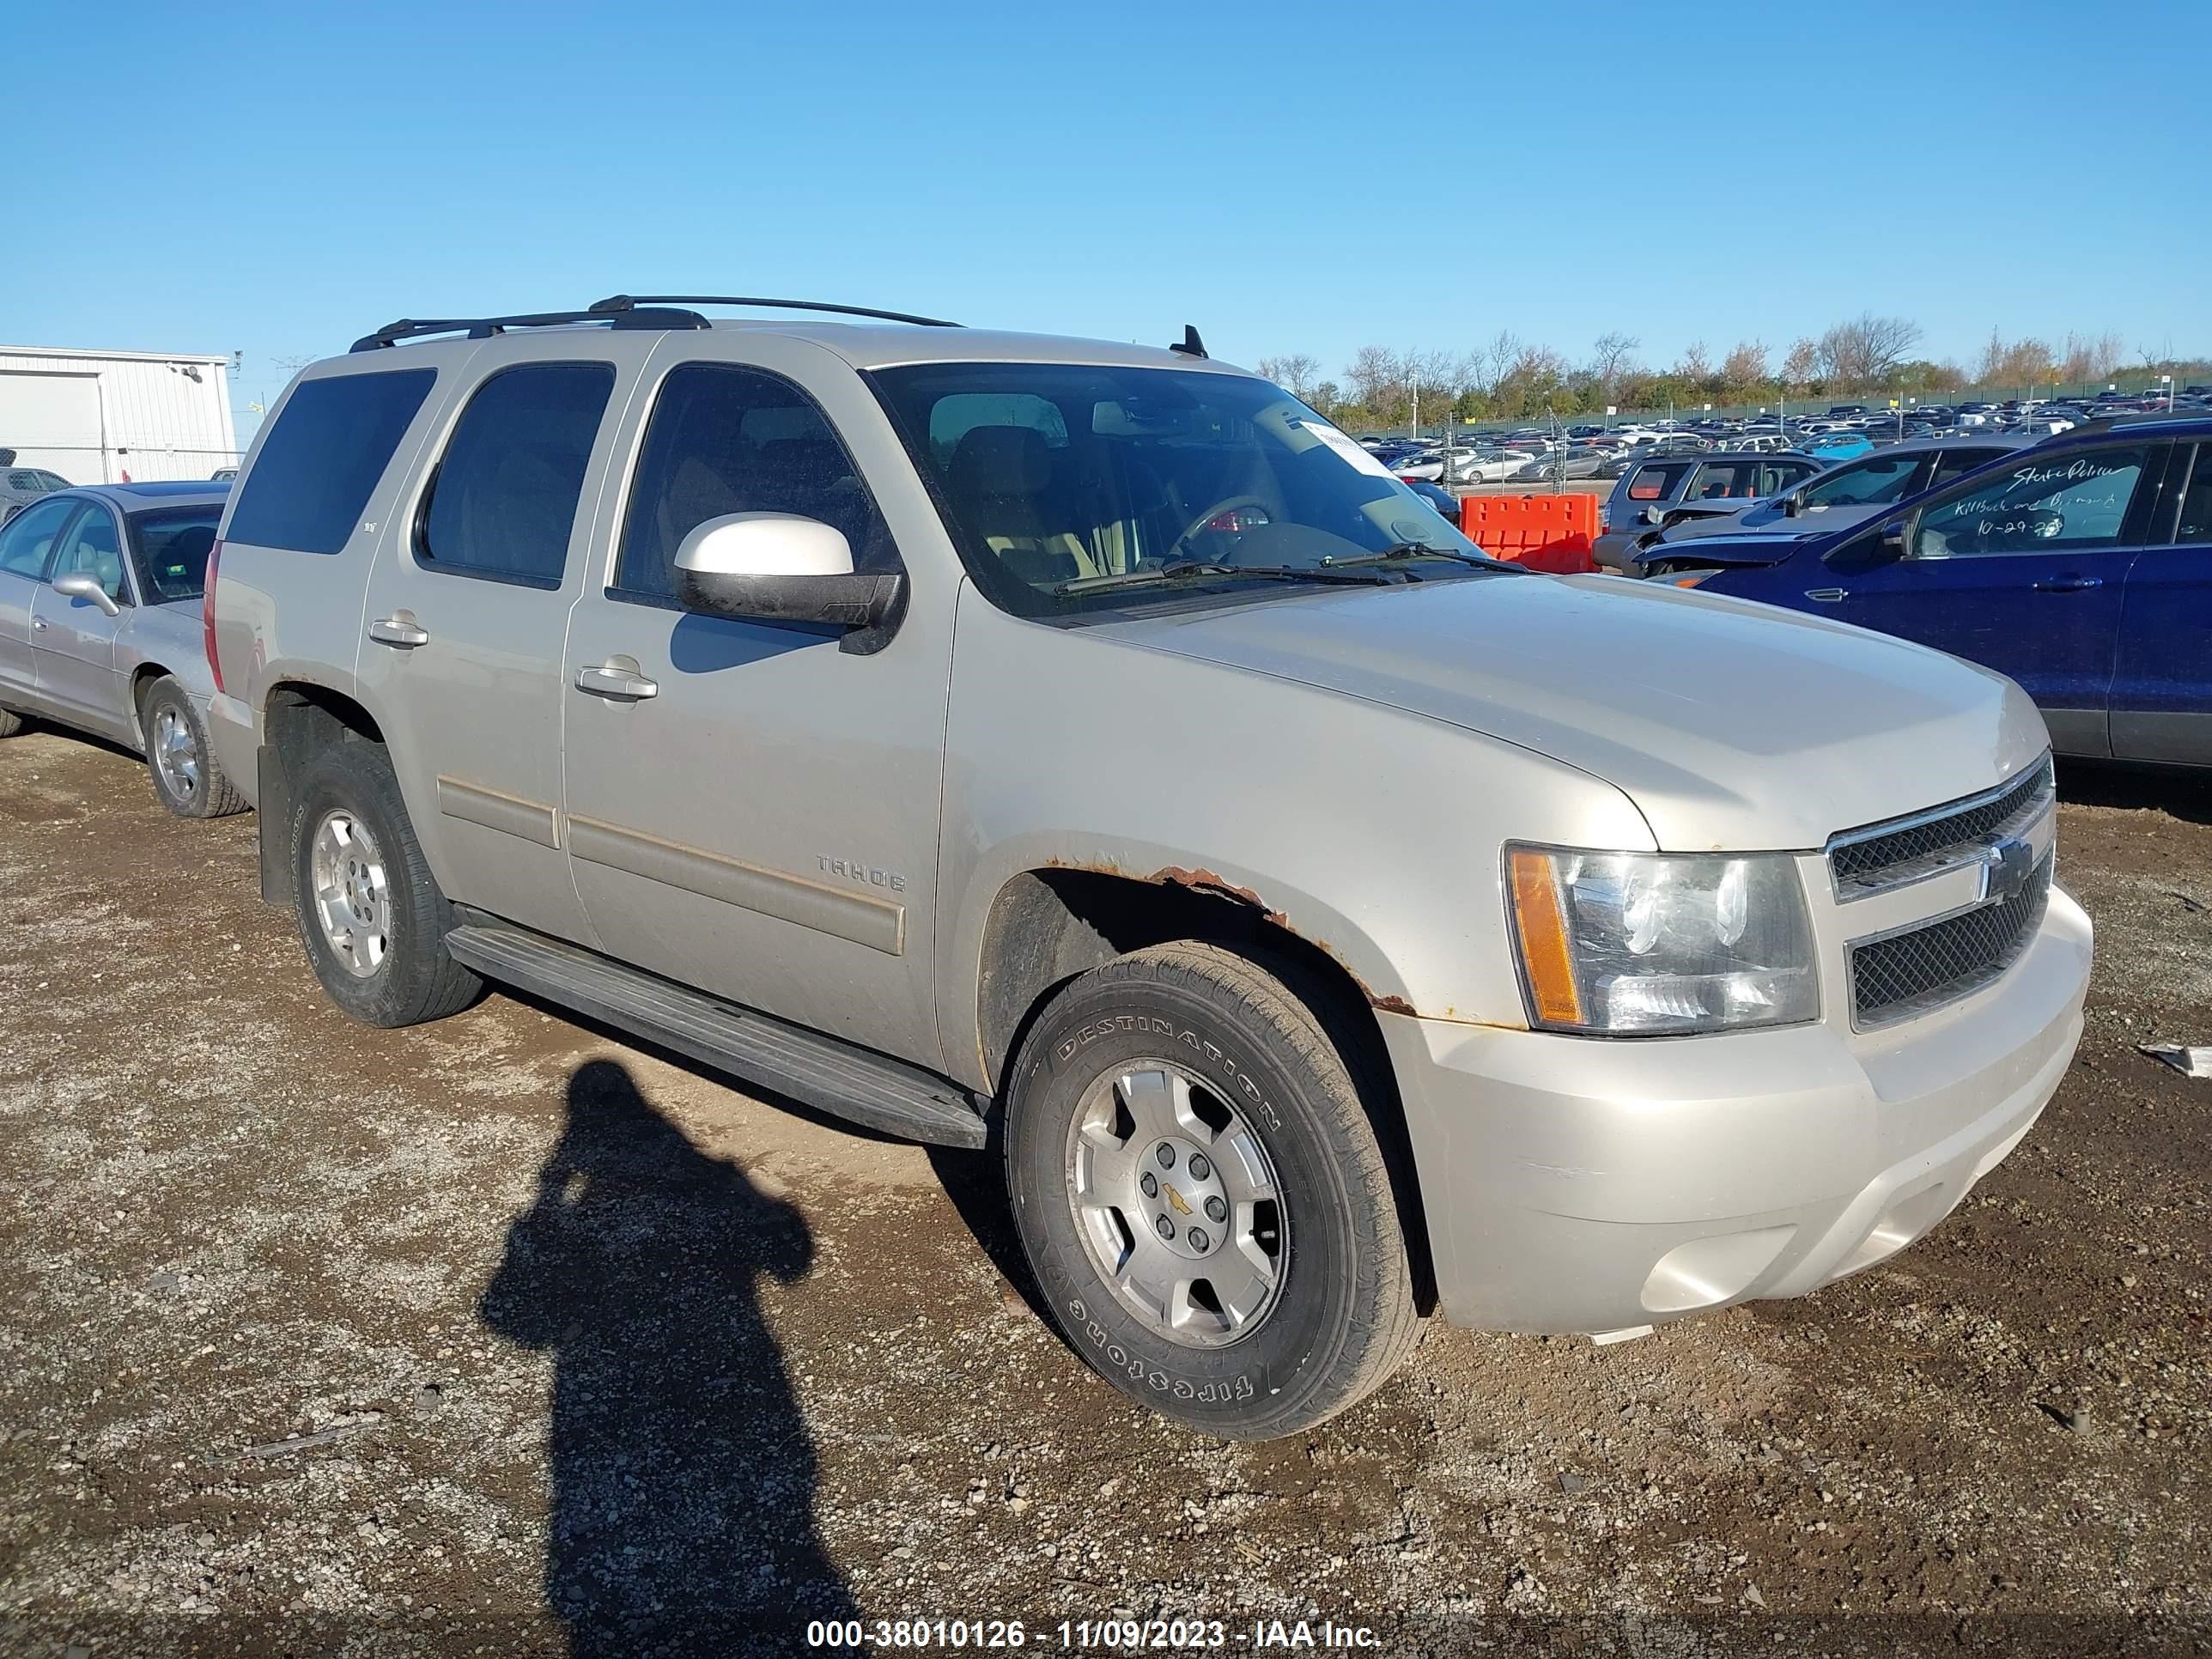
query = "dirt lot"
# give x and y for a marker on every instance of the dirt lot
(500, 1336)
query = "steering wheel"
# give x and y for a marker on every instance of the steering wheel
(1202, 519)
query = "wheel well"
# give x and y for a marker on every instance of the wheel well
(1049, 925)
(142, 681)
(298, 721)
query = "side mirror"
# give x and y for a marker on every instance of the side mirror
(1793, 505)
(78, 586)
(1893, 541)
(781, 566)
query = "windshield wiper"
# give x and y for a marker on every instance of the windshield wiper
(1400, 551)
(1185, 570)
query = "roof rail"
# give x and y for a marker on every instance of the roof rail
(627, 304)
(2133, 417)
(483, 328)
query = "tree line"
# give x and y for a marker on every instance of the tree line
(1511, 379)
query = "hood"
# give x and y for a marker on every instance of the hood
(1732, 726)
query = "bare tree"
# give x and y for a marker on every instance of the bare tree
(1697, 364)
(1612, 358)
(1374, 377)
(1858, 353)
(1294, 372)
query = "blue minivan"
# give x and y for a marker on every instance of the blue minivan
(2081, 567)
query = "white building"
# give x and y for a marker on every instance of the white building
(106, 416)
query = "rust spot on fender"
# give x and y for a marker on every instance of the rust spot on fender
(1205, 880)
(1202, 880)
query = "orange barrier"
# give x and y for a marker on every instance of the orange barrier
(1551, 533)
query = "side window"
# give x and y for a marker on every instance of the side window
(1723, 481)
(502, 500)
(1957, 463)
(2069, 504)
(29, 538)
(332, 440)
(725, 439)
(1657, 482)
(2196, 523)
(93, 548)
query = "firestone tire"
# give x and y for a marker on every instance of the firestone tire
(1342, 1313)
(369, 911)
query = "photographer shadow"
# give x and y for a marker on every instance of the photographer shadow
(683, 1474)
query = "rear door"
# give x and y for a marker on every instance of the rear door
(2022, 570)
(27, 543)
(73, 639)
(2162, 679)
(466, 629)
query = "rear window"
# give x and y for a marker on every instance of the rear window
(171, 547)
(331, 444)
(1655, 483)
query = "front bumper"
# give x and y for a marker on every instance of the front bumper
(1592, 1184)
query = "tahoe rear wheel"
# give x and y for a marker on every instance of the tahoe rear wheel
(1203, 1198)
(370, 912)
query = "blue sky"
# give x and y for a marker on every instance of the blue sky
(1287, 176)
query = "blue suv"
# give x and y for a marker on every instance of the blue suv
(2081, 567)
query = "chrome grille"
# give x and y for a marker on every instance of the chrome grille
(1897, 976)
(1898, 852)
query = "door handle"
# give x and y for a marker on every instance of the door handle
(2069, 584)
(1828, 595)
(623, 684)
(399, 631)
(38, 624)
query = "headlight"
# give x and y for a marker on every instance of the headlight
(1661, 944)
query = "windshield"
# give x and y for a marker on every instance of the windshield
(1069, 488)
(1877, 481)
(172, 551)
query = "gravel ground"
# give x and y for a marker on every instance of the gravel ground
(500, 1336)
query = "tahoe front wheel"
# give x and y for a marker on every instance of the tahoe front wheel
(1203, 1198)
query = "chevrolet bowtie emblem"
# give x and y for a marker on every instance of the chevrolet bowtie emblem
(1176, 1199)
(2006, 867)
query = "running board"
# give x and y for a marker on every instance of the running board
(833, 1075)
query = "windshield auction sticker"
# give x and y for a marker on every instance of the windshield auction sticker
(1344, 446)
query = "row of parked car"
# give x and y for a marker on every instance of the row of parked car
(1558, 452)
(2080, 565)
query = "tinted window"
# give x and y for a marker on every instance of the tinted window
(1654, 483)
(331, 444)
(1726, 481)
(2040, 505)
(503, 499)
(93, 548)
(30, 535)
(2196, 523)
(724, 440)
(1957, 463)
(171, 547)
(29, 482)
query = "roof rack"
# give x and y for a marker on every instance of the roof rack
(483, 328)
(627, 304)
(2133, 417)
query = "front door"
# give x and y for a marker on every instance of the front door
(2162, 683)
(2021, 571)
(753, 807)
(27, 545)
(465, 630)
(73, 640)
